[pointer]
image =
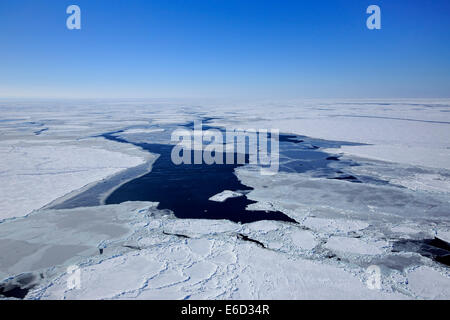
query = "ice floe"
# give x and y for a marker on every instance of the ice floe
(221, 197)
(133, 250)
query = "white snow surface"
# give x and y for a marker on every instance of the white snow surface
(224, 195)
(211, 264)
(33, 175)
(50, 149)
(412, 132)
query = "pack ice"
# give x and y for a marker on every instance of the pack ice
(382, 203)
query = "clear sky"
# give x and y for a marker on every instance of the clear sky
(225, 48)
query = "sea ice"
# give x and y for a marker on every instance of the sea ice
(221, 197)
(135, 251)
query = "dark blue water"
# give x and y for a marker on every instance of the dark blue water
(185, 189)
(436, 249)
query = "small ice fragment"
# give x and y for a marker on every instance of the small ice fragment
(224, 195)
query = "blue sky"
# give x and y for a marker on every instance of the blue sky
(225, 49)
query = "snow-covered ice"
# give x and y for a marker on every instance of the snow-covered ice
(34, 174)
(221, 197)
(53, 152)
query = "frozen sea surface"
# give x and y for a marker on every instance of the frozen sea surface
(353, 209)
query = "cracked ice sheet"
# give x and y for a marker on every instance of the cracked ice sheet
(48, 238)
(213, 263)
(354, 223)
(300, 196)
(339, 209)
(429, 284)
(356, 246)
(147, 259)
(33, 175)
(410, 132)
(36, 169)
(239, 271)
(412, 177)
